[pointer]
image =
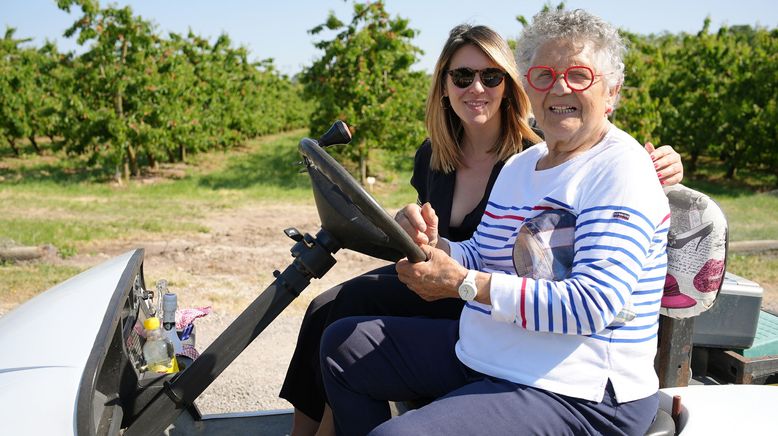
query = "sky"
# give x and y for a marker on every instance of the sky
(279, 29)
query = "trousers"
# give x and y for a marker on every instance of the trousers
(368, 361)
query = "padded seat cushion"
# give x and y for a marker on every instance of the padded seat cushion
(696, 253)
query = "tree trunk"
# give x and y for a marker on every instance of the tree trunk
(25, 253)
(692, 165)
(182, 152)
(363, 164)
(130, 160)
(126, 170)
(132, 156)
(12, 143)
(152, 162)
(731, 169)
(35, 145)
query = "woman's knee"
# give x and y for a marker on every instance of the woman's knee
(347, 340)
(340, 338)
(363, 295)
(322, 303)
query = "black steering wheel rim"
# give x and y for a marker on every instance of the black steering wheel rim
(376, 214)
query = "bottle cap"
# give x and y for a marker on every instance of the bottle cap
(151, 323)
(169, 303)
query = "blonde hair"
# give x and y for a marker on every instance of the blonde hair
(443, 124)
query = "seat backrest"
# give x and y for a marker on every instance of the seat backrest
(696, 263)
(696, 253)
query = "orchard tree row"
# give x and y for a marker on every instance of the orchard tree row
(135, 98)
(710, 94)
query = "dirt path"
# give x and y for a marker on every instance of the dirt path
(226, 269)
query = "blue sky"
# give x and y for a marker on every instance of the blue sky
(278, 29)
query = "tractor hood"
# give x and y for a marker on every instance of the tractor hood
(46, 345)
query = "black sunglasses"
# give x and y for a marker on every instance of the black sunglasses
(464, 77)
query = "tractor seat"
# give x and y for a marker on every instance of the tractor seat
(696, 262)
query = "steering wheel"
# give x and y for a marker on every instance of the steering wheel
(347, 210)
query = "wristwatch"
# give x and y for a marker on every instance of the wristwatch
(468, 290)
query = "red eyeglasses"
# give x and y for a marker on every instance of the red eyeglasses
(578, 77)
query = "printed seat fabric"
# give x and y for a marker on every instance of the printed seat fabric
(696, 253)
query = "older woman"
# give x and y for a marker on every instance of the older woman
(561, 281)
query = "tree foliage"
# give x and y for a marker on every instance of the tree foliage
(710, 94)
(364, 78)
(136, 98)
(27, 97)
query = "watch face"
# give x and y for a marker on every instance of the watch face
(467, 292)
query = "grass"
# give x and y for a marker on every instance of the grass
(21, 282)
(751, 215)
(759, 268)
(67, 203)
(68, 210)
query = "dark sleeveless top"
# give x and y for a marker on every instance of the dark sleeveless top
(437, 188)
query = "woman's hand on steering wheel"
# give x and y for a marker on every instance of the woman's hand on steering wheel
(437, 277)
(420, 222)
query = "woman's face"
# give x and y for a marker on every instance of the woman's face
(476, 105)
(570, 119)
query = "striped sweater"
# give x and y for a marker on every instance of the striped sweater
(571, 335)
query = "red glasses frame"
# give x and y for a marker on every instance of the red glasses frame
(555, 76)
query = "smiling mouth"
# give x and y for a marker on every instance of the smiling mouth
(476, 104)
(562, 109)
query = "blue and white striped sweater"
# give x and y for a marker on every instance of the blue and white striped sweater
(620, 261)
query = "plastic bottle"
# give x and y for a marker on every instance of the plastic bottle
(161, 290)
(157, 350)
(169, 305)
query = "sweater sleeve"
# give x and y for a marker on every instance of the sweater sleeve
(465, 254)
(619, 252)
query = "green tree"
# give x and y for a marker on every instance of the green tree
(140, 98)
(638, 111)
(24, 93)
(749, 69)
(113, 82)
(364, 78)
(717, 92)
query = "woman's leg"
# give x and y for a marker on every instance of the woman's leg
(496, 406)
(302, 385)
(299, 387)
(376, 293)
(368, 361)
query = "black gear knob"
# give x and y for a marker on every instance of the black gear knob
(337, 134)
